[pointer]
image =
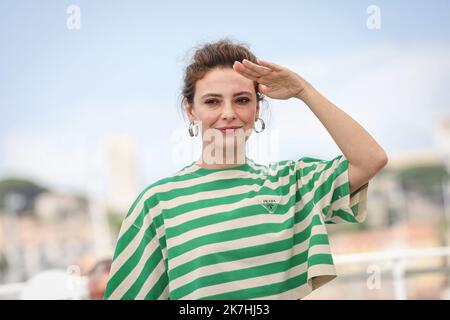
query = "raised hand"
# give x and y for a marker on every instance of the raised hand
(274, 81)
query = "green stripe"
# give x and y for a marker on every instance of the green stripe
(129, 234)
(120, 275)
(158, 288)
(138, 199)
(341, 191)
(355, 209)
(262, 291)
(344, 215)
(125, 239)
(149, 267)
(325, 188)
(321, 258)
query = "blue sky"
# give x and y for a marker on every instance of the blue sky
(64, 93)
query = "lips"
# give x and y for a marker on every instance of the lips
(228, 129)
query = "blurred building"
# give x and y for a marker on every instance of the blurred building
(56, 233)
(51, 206)
(442, 139)
(123, 177)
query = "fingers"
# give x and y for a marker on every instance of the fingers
(270, 65)
(261, 70)
(241, 68)
(246, 71)
(262, 88)
(251, 77)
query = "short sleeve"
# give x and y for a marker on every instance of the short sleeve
(328, 182)
(138, 270)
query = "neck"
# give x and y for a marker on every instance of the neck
(221, 161)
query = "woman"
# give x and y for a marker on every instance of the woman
(225, 227)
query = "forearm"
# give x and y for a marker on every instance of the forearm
(353, 140)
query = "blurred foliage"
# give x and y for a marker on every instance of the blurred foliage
(115, 221)
(3, 262)
(346, 227)
(28, 189)
(425, 179)
(393, 216)
(442, 229)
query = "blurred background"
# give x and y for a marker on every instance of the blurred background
(90, 115)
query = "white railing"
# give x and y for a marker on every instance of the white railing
(75, 289)
(397, 259)
(11, 290)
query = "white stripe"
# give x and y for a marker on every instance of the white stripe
(151, 280)
(293, 294)
(165, 295)
(322, 274)
(320, 167)
(123, 287)
(129, 249)
(346, 203)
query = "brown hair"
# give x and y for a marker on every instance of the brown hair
(220, 54)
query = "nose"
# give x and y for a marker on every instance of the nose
(228, 112)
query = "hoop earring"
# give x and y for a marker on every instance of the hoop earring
(263, 125)
(191, 133)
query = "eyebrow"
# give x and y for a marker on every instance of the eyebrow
(219, 95)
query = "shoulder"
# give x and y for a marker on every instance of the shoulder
(149, 196)
(164, 184)
(308, 162)
(308, 159)
(274, 168)
(302, 165)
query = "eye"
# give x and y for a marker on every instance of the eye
(244, 100)
(211, 101)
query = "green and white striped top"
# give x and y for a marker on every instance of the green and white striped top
(247, 232)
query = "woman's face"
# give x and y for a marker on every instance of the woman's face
(224, 98)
